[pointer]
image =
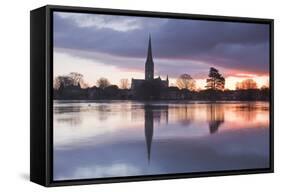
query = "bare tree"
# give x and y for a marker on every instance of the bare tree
(62, 81)
(185, 81)
(76, 77)
(72, 79)
(56, 83)
(124, 83)
(246, 84)
(103, 83)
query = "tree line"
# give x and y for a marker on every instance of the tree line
(215, 81)
(73, 86)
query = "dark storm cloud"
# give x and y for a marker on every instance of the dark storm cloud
(239, 46)
(231, 45)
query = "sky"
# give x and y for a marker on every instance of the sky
(115, 47)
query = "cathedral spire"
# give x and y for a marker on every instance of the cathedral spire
(149, 50)
(149, 64)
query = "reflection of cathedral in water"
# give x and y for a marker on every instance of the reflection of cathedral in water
(152, 113)
(160, 113)
(148, 128)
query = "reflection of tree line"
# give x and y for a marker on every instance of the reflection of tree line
(75, 120)
(248, 111)
(70, 119)
(184, 114)
(152, 113)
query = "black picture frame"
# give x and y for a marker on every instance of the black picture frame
(41, 102)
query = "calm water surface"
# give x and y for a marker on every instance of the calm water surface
(94, 139)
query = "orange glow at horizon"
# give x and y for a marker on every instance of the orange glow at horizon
(230, 81)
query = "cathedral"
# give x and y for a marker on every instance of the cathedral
(149, 71)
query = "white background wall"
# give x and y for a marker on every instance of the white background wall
(14, 94)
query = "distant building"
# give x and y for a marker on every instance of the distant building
(149, 71)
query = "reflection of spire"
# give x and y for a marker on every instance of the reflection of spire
(148, 128)
(215, 117)
(167, 115)
(152, 113)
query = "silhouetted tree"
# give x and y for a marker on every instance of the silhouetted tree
(62, 81)
(124, 84)
(265, 86)
(265, 92)
(185, 81)
(72, 79)
(103, 83)
(77, 78)
(246, 84)
(215, 81)
(56, 83)
(111, 91)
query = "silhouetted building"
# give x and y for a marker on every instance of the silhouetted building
(149, 72)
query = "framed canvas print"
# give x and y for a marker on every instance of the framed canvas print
(119, 95)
